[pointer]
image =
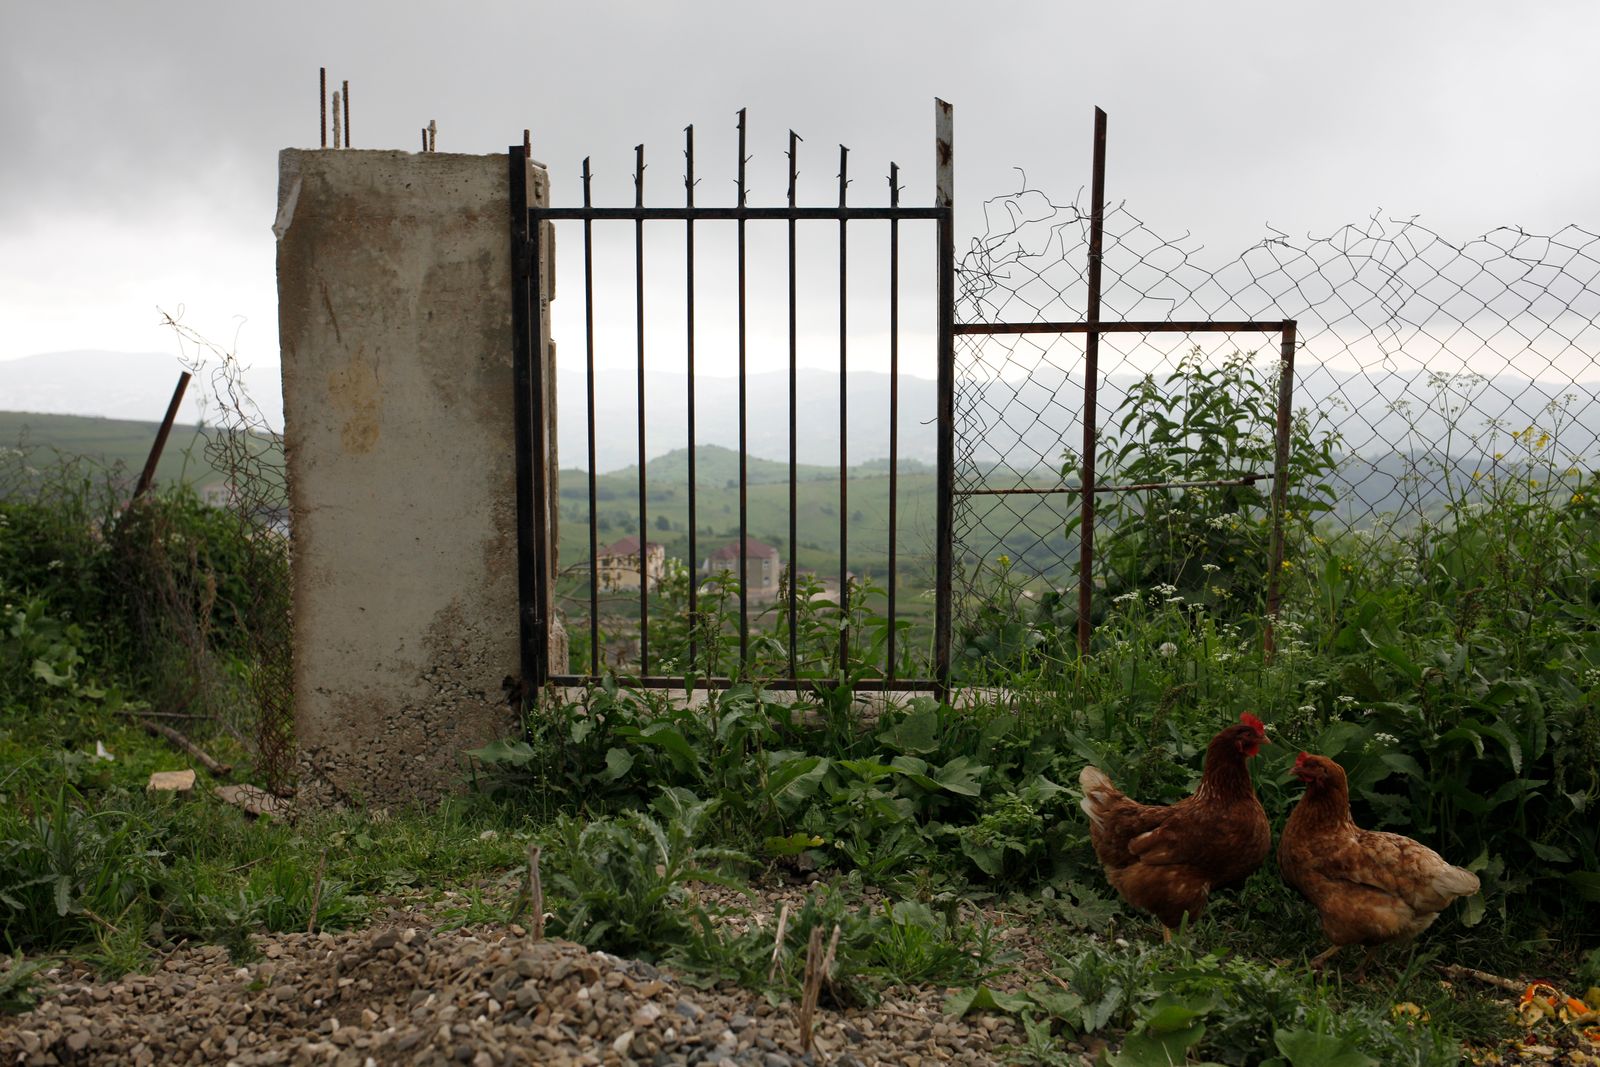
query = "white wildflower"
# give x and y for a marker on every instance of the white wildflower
(1167, 649)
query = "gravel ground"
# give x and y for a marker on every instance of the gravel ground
(409, 990)
(392, 995)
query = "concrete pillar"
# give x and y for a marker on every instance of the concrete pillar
(394, 278)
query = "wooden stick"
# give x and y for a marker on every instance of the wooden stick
(536, 892)
(777, 942)
(827, 960)
(818, 964)
(810, 986)
(1455, 970)
(316, 893)
(221, 770)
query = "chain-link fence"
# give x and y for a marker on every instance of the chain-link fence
(247, 451)
(1422, 366)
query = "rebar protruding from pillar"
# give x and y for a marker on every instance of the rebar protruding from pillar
(433, 136)
(337, 127)
(346, 87)
(322, 80)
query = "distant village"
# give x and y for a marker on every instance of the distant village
(619, 567)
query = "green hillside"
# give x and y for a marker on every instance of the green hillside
(115, 444)
(817, 507)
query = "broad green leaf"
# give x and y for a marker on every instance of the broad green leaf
(666, 737)
(792, 845)
(1305, 1048)
(961, 776)
(1166, 1049)
(1586, 884)
(1550, 852)
(917, 733)
(619, 761)
(982, 998)
(503, 754)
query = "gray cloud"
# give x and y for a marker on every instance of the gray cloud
(1224, 117)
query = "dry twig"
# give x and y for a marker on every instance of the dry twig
(316, 893)
(536, 892)
(221, 770)
(1455, 970)
(777, 941)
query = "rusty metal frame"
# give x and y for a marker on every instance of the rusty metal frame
(1092, 327)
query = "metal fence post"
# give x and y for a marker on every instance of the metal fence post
(526, 317)
(944, 199)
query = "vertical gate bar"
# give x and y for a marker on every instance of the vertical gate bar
(944, 169)
(1091, 376)
(528, 622)
(694, 582)
(543, 517)
(794, 544)
(594, 519)
(1280, 482)
(844, 451)
(744, 531)
(894, 405)
(644, 523)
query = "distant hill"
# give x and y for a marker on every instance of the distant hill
(123, 385)
(113, 444)
(1382, 413)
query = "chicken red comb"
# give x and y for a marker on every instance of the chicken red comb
(1254, 723)
(1302, 759)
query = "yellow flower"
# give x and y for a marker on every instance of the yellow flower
(1544, 439)
(1578, 498)
(1003, 560)
(1476, 475)
(1499, 455)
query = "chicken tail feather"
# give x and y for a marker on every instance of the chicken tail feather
(1452, 882)
(1097, 793)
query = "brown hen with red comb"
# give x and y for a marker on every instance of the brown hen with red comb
(1167, 859)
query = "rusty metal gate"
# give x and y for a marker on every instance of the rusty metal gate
(536, 577)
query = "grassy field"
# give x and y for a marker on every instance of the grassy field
(111, 443)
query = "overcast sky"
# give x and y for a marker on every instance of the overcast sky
(138, 155)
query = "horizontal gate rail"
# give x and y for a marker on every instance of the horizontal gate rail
(1155, 326)
(738, 214)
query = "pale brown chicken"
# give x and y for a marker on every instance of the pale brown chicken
(1167, 859)
(1370, 887)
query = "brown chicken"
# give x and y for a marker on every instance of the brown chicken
(1167, 859)
(1370, 887)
